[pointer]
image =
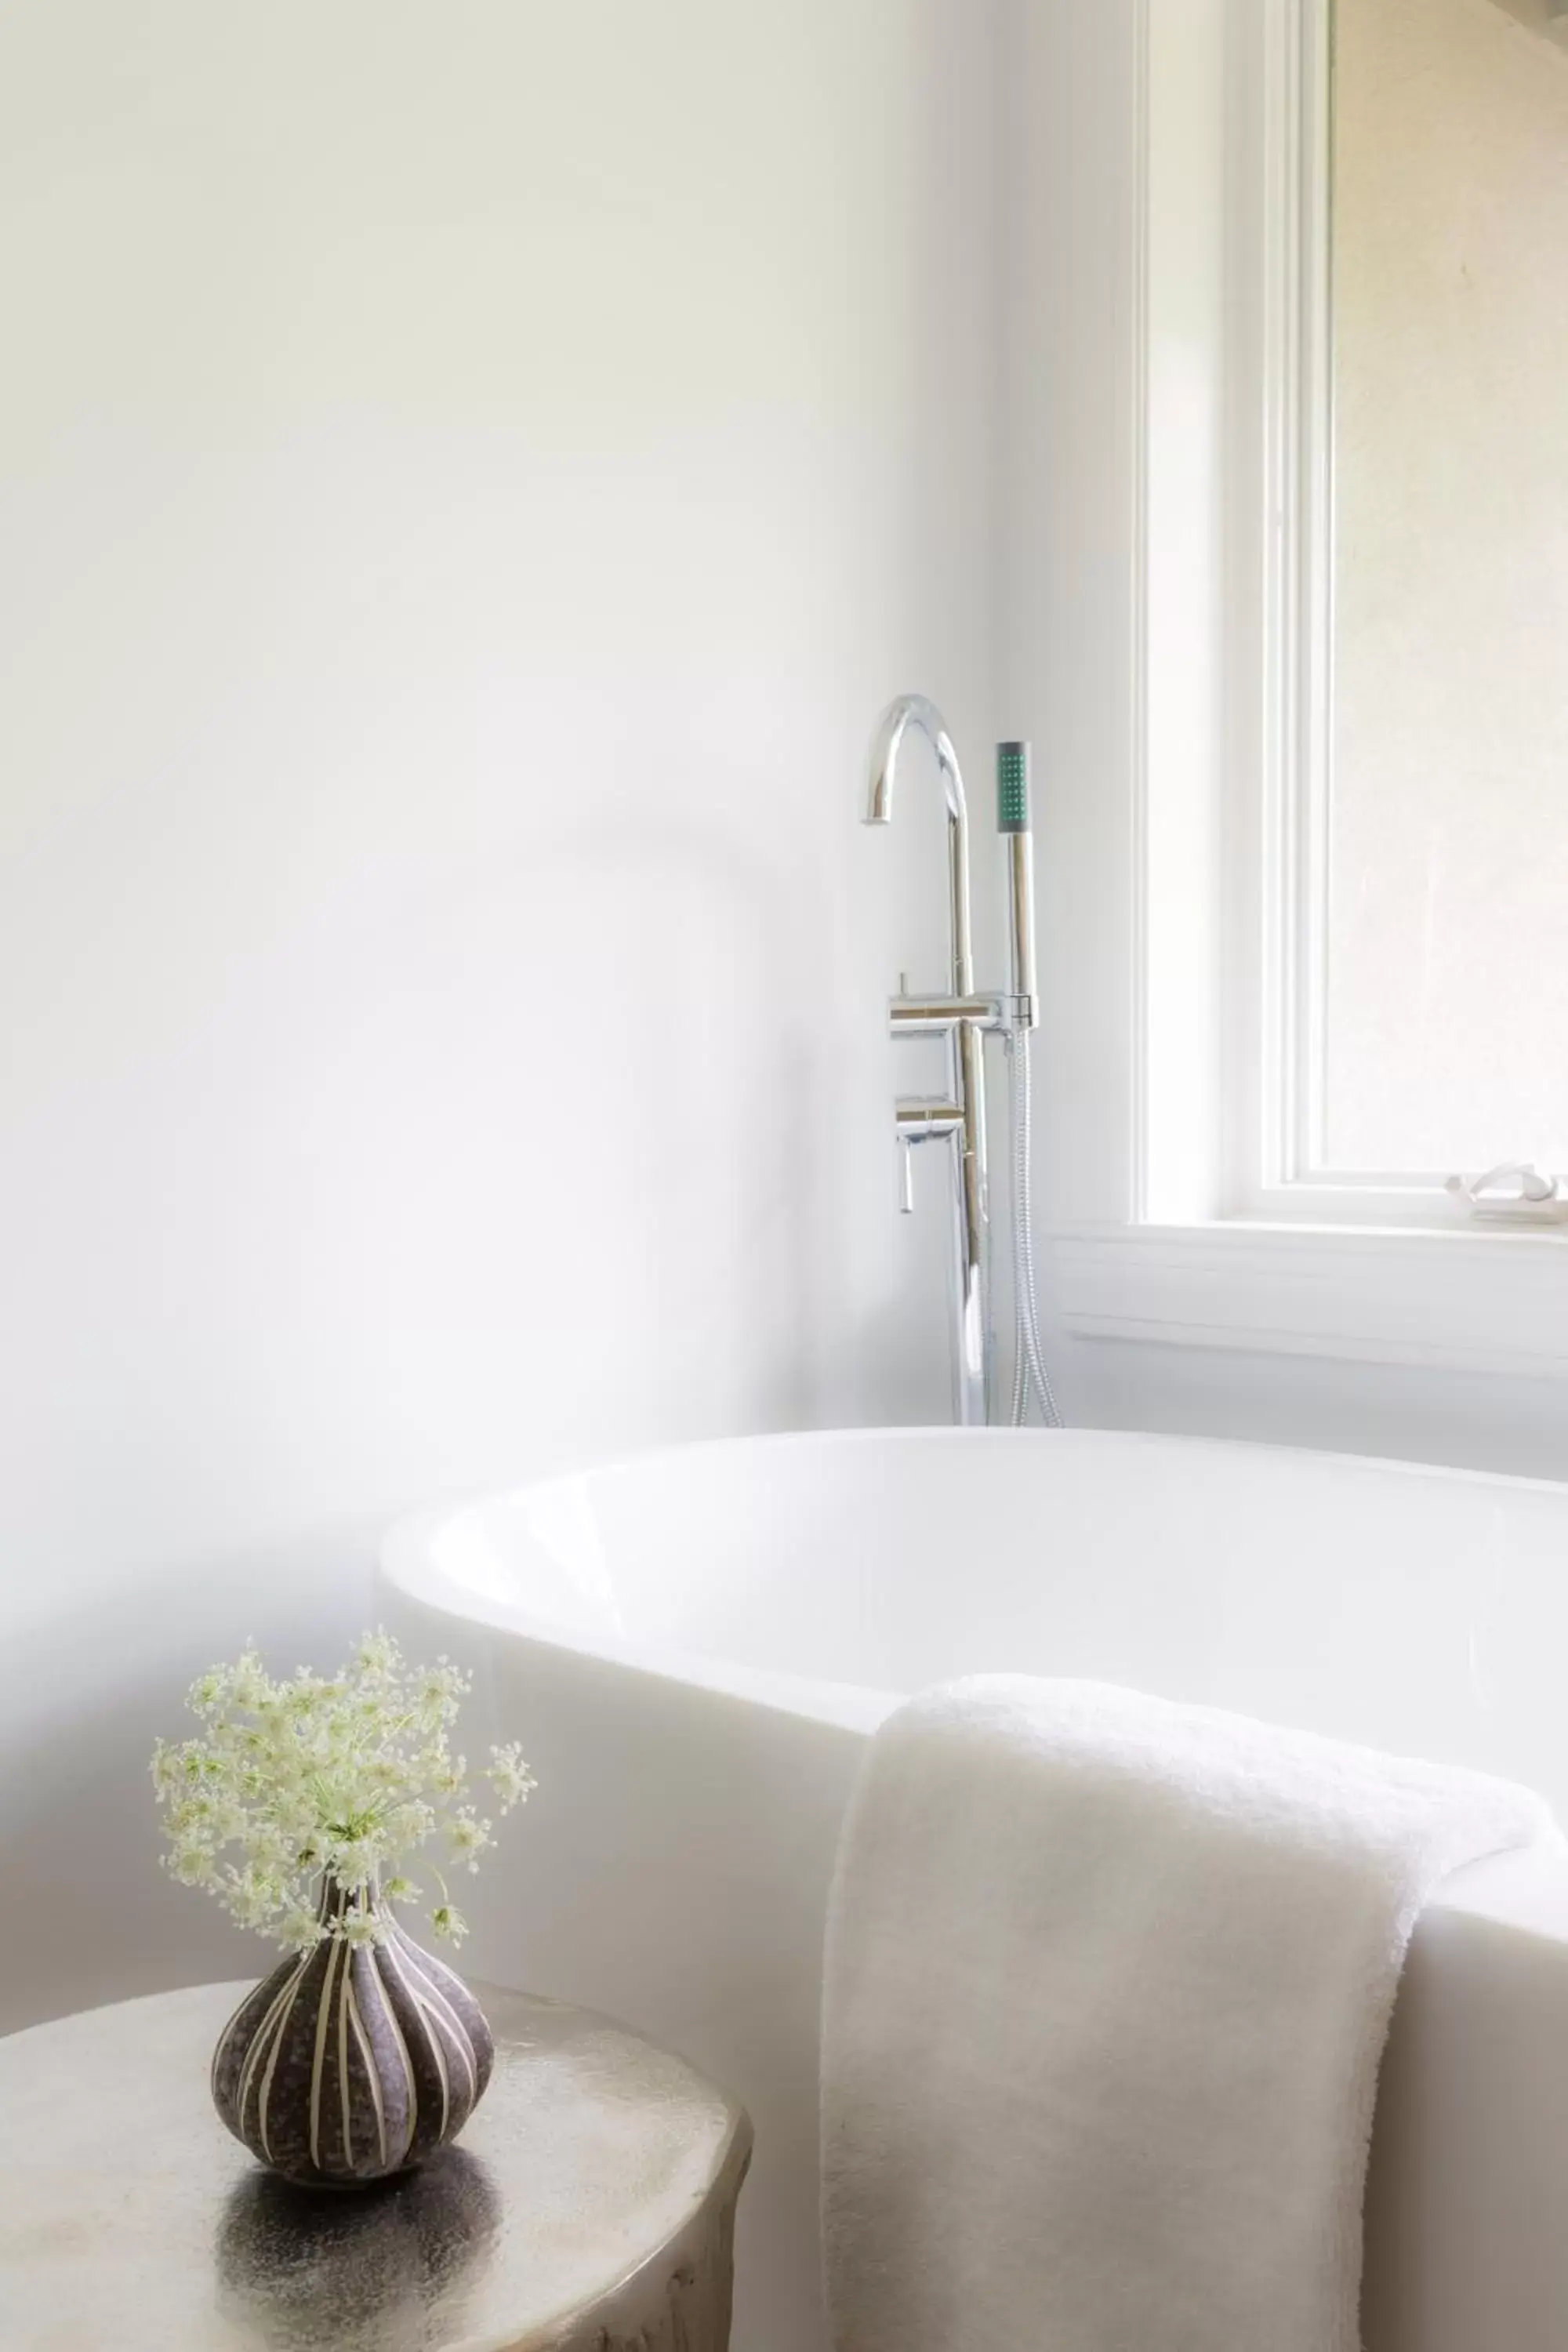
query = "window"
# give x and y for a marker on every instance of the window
(1443, 1011)
(1356, 928)
(1345, 842)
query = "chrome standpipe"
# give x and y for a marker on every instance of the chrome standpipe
(961, 1118)
(964, 1017)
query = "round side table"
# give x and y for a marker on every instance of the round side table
(588, 2206)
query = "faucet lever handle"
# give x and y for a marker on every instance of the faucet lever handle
(904, 1146)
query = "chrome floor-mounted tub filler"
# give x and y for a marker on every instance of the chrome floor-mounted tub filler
(965, 1017)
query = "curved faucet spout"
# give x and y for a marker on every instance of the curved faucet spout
(906, 710)
(914, 711)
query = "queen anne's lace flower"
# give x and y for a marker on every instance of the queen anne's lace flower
(448, 1923)
(325, 1779)
(510, 1775)
(469, 1837)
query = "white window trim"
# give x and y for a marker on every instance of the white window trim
(1231, 1238)
(1287, 376)
(1235, 605)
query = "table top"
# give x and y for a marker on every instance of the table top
(129, 2217)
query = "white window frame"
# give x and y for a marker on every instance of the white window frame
(1283, 373)
(1232, 1231)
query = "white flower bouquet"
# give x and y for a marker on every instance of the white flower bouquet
(320, 1783)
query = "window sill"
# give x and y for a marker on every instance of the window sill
(1493, 1302)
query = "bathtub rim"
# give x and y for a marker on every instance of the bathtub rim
(1526, 1889)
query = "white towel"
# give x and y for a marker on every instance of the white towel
(1108, 1983)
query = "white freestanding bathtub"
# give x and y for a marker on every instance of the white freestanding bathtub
(693, 1646)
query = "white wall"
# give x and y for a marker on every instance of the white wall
(468, 475)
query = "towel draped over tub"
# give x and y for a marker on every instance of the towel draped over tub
(1108, 1983)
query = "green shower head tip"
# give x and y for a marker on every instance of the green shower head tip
(1011, 788)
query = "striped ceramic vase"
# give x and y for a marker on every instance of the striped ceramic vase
(352, 2060)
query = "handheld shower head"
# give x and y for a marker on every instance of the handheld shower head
(1013, 821)
(1013, 788)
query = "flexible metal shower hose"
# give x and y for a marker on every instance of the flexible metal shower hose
(1030, 1373)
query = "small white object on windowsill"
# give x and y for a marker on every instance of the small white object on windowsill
(1513, 1193)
